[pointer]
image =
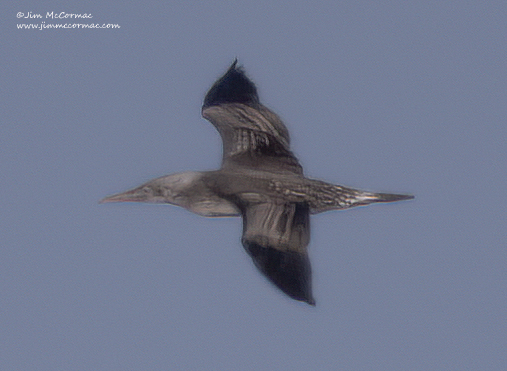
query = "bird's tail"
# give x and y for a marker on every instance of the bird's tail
(360, 198)
(389, 197)
(334, 197)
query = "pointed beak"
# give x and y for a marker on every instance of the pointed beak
(129, 196)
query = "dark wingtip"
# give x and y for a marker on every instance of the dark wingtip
(232, 87)
(288, 270)
(311, 301)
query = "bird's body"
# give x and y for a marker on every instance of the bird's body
(260, 180)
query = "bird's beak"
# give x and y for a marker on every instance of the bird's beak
(129, 196)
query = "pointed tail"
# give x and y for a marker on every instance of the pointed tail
(334, 197)
(366, 198)
(389, 197)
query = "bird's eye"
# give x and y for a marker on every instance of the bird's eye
(146, 190)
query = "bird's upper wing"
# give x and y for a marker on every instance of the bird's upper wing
(253, 136)
(276, 237)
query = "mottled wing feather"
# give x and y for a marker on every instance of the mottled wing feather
(252, 135)
(252, 138)
(276, 236)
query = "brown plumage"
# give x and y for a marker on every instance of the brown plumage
(260, 180)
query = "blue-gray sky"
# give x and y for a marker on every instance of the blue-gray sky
(397, 96)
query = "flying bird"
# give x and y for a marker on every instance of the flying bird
(260, 180)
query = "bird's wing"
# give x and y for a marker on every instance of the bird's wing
(276, 236)
(253, 136)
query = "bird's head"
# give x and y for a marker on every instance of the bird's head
(170, 189)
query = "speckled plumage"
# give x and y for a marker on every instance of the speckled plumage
(260, 180)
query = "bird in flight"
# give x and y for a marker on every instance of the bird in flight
(260, 180)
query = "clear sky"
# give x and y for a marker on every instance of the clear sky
(395, 96)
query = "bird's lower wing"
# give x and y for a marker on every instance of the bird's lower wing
(276, 237)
